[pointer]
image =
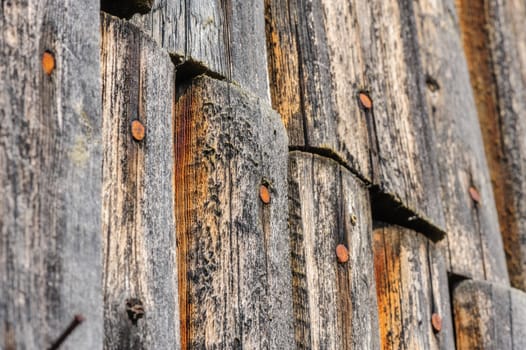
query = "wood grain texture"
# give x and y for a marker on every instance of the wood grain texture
(50, 158)
(474, 241)
(411, 285)
(226, 37)
(489, 316)
(138, 80)
(497, 65)
(233, 249)
(334, 303)
(315, 82)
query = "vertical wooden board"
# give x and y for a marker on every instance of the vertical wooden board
(411, 281)
(234, 257)
(140, 271)
(50, 158)
(224, 37)
(489, 316)
(474, 240)
(317, 103)
(496, 60)
(315, 86)
(404, 157)
(334, 302)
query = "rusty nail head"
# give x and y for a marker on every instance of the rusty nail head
(264, 194)
(475, 195)
(48, 62)
(137, 130)
(365, 100)
(436, 321)
(342, 253)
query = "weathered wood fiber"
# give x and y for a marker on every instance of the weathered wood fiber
(315, 82)
(474, 240)
(411, 285)
(334, 303)
(225, 37)
(138, 82)
(497, 65)
(489, 316)
(233, 249)
(50, 158)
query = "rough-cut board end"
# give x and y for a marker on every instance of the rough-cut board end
(389, 209)
(187, 69)
(126, 8)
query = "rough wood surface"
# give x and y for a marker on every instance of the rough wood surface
(412, 285)
(225, 37)
(334, 302)
(497, 65)
(50, 156)
(315, 84)
(140, 272)
(233, 249)
(489, 316)
(474, 241)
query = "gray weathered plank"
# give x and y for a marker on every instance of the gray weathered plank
(50, 158)
(412, 285)
(233, 249)
(497, 66)
(489, 316)
(315, 84)
(225, 37)
(138, 83)
(474, 240)
(334, 302)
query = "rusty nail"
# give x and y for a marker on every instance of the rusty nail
(264, 194)
(436, 321)
(342, 253)
(77, 320)
(365, 100)
(137, 130)
(475, 195)
(48, 62)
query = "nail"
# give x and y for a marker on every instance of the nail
(137, 130)
(48, 62)
(264, 194)
(77, 320)
(436, 321)
(475, 195)
(342, 253)
(365, 100)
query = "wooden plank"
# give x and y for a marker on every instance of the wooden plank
(412, 286)
(315, 86)
(227, 38)
(474, 240)
(489, 316)
(50, 158)
(497, 65)
(334, 302)
(233, 248)
(140, 272)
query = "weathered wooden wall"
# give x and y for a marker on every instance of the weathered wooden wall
(50, 173)
(311, 174)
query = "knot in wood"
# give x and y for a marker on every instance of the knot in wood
(135, 309)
